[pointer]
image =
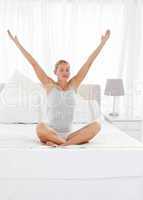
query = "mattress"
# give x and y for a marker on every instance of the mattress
(112, 153)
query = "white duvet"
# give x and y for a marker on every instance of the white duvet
(112, 153)
(24, 136)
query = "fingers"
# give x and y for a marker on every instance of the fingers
(9, 33)
(14, 38)
(108, 32)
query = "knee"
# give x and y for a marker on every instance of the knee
(39, 127)
(39, 131)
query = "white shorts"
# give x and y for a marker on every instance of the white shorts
(75, 127)
(64, 134)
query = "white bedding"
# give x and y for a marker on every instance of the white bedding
(24, 136)
(112, 153)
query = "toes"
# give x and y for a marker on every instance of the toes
(51, 144)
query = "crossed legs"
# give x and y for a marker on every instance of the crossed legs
(84, 134)
(49, 136)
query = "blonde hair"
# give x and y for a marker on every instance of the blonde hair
(58, 63)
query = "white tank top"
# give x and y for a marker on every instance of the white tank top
(60, 108)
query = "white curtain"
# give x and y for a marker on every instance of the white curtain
(71, 29)
(130, 61)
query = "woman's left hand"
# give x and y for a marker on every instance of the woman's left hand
(105, 37)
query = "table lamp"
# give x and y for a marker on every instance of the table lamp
(114, 87)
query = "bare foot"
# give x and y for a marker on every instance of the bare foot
(62, 140)
(49, 143)
(73, 143)
(65, 144)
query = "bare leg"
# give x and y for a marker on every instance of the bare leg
(84, 134)
(48, 135)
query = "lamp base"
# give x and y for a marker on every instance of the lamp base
(114, 114)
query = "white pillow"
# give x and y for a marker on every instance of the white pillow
(86, 111)
(20, 100)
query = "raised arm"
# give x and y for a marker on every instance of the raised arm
(42, 76)
(78, 78)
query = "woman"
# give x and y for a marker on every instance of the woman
(58, 129)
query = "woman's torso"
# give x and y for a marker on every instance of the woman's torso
(60, 107)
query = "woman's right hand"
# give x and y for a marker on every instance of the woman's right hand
(14, 38)
(105, 37)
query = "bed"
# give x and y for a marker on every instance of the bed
(109, 167)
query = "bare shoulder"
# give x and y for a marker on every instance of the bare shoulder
(49, 85)
(73, 82)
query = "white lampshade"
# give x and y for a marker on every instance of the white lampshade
(114, 87)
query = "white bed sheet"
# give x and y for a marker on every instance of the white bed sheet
(22, 136)
(112, 153)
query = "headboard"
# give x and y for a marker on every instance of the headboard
(87, 91)
(90, 92)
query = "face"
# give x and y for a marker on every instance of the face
(63, 71)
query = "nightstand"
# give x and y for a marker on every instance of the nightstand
(133, 126)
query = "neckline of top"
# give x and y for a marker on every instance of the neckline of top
(71, 87)
(58, 88)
